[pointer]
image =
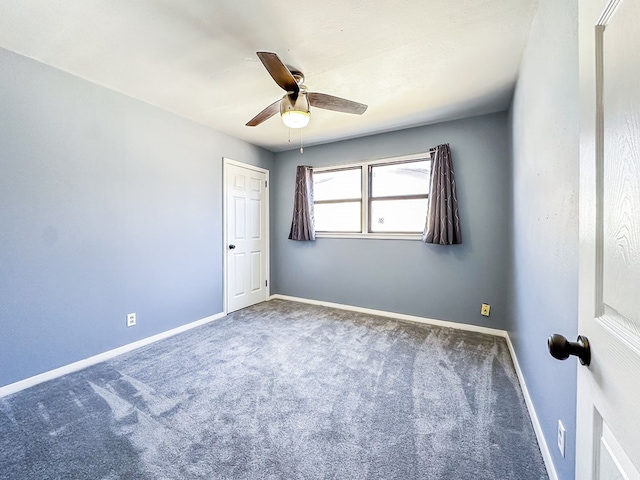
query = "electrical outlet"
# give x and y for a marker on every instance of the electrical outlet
(485, 309)
(561, 435)
(131, 319)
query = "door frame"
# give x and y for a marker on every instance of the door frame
(225, 267)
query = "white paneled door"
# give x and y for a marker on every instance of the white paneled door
(246, 246)
(608, 419)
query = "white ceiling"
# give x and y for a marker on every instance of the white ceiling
(412, 61)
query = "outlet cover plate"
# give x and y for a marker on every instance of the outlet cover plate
(485, 309)
(561, 437)
(131, 319)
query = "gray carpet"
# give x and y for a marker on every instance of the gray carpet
(282, 390)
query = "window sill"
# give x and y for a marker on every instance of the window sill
(373, 236)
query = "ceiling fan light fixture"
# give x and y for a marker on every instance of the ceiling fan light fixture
(295, 118)
(294, 111)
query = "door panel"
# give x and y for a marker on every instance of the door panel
(238, 270)
(608, 420)
(239, 213)
(256, 271)
(612, 462)
(621, 114)
(256, 219)
(256, 185)
(247, 236)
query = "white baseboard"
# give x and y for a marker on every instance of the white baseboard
(101, 357)
(542, 443)
(399, 316)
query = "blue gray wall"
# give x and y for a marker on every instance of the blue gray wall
(107, 206)
(442, 282)
(545, 130)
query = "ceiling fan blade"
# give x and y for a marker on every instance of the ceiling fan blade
(329, 102)
(265, 114)
(279, 71)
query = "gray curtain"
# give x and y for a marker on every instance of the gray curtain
(443, 222)
(302, 224)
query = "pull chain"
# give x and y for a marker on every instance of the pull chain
(301, 149)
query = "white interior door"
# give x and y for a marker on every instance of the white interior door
(608, 417)
(246, 247)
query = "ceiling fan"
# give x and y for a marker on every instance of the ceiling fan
(294, 106)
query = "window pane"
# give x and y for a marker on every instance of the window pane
(406, 216)
(337, 217)
(337, 185)
(409, 178)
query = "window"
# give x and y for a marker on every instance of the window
(381, 198)
(337, 198)
(398, 194)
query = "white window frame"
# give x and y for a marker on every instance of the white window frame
(365, 198)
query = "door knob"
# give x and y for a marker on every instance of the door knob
(561, 348)
(231, 247)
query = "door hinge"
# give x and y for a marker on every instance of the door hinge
(265, 184)
(266, 283)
